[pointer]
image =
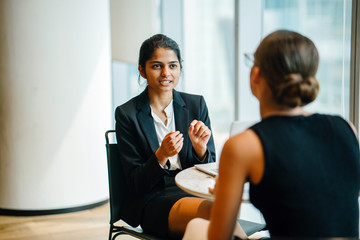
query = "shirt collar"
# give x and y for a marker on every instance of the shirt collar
(169, 110)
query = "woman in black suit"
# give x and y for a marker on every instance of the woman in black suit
(159, 133)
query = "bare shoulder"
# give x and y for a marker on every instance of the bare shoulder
(244, 144)
(245, 151)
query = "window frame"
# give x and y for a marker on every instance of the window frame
(355, 64)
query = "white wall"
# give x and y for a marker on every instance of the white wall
(55, 103)
(131, 23)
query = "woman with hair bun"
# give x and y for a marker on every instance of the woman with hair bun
(303, 167)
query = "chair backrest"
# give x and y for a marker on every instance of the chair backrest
(240, 126)
(117, 185)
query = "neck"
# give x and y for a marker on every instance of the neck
(160, 101)
(267, 110)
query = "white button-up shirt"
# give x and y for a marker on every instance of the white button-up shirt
(162, 130)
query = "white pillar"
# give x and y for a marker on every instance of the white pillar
(55, 103)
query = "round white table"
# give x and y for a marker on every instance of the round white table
(197, 183)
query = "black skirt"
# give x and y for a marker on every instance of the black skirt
(156, 212)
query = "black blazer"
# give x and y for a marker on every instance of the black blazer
(137, 143)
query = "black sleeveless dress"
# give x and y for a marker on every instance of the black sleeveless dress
(311, 180)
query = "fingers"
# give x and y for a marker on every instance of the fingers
(172, 143)
(213, 189)
(173, 138)
(199, 129)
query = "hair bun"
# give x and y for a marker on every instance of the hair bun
(295, 90)
(293, 78)
(309, 89)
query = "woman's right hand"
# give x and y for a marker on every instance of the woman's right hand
(170, 146)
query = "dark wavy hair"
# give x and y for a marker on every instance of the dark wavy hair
(289, 61)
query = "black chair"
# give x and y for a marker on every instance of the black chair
(117, 188)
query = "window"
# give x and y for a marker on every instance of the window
(213, 53)
(209, 60)
(328, 24)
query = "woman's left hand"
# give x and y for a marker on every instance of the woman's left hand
(213, 189)
(199, 135)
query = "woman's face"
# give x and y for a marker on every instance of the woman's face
(162, 70)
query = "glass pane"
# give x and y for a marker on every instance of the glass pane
(209, 60)
(328, 24)
(126, 82)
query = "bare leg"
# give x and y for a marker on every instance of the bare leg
(198, 229)
(239, 232)
(186, 209)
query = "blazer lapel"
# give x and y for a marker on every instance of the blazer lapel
(181, 124)
(146, 121)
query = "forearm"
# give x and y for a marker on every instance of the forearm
(201, 153)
